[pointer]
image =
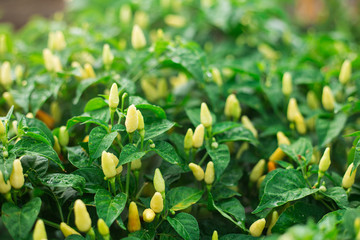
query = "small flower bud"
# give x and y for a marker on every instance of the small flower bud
(312, 100)
(248, 125)
(215, 72)
(257, 171)
(39, 230)
(197, 171)
(132, 121)
(287, 84)
(157, 203)
(103, 228)
(114, 96)
(48, 59)
(17, 176)
(125, 14)
(5, 75)
(107, 56)
(209, 173)
(136, 164)
(29, 115)
(300, 123)
(63, 136)
(89, 71)
(345, 72)
(108, 164)
(148, 215)
(159, 182)
(273, 220)
(215, 236)
(133, 219)
(4, 187)
(141, 124)
(257, 227)
(214, 145)
(138, 40)
(188, 140)
(152, 145)
(328, 100)
(322, 188)
(82, 217)
(198, 138)
(205, 116)
(325, 161)
(292, 109)
(349, 178)
(67, 230)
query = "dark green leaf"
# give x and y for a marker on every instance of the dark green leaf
(221, 158)
(108, 207)
(78, 157)
(185, 225)
(62, 180)
(338, 194)
(223, 127)
(37, 163)
(130, 153)
(183, 197)
(327, 129)
(356, 156)
(100, 140)
(297, 150)
(157, 128)
(167, 152)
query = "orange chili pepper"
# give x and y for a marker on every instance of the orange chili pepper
(46, 118)
(271, 166)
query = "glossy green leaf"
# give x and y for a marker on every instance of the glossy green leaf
(221, 158)
(166, 151)
(19, 221)
(108, 207)
(100, 140)
(328, 129)
(302, 148)
(182, 197)
(129, 153)
(338, 194)
(157, 128)
(185, 225)
(62, 180)
(78, 157)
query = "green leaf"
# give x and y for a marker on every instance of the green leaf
(129, 153)
(285, 185)
(100, 140)
(84, 84)
(234, 236)
(37, 163)
(298, 213)
(38, 98)
(356, 156)
(338, 194)
(183, 197)
(108, 207)
(62, 180)
(327, 129)
(19, 221)
(167, 152)
(298, 149)
(221, 158)
(157, 128)
(185, 225)
(75, 120)
(141, 103)
(31, 146)
(223, 127)
(238, 134)
(78, 157)
(33, 122)
(6, 165)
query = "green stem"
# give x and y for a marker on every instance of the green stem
(118, 177)
(112, 111)
(203, 159)
(52, 224)
(69, 215)
(59, 208)
(113, 187)
(91, 234)
(128, 180)
(140, 191)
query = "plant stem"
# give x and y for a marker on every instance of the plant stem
(52, 224)
(91, 234)
(59, 208)
(203, 159)
(113, 187)
(128, 180)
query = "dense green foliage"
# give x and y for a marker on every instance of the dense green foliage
(57, 120)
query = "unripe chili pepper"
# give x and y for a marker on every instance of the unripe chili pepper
(148, 215)
(9, 99)
(287, 84)
(107, 56)
(345, 72)
(198, 137)
(282, 138)
(48, 59)
(215, 72)
(176, 21)
(325, 161)
(300, 123)
(82, 217)
(159, 182)
(215, 236)
(2, 130)
(328, 100)
(63, 136)
(3, 45)
(273, 220)
(138, 40)
(205, 116)
(188, 140)
(292, 109)
(257, 171)
(114, 97)
(141, 124)
(162, 88)
(108, 164)
(349, 178)
(197, 171)
(248, 125)
(89, 71)
(257, 227)
(39, 230)
(312, 100)
(57, 65)
(133, 219)
(17, 176)
(157, 203)
(260, 180)
(103, 228)
(67, 230)
(209, 173)
(5, 75)
(56, 146)
(136, 164)
(271, 166)
(4, 187)
(132, 121)
(125, 14)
